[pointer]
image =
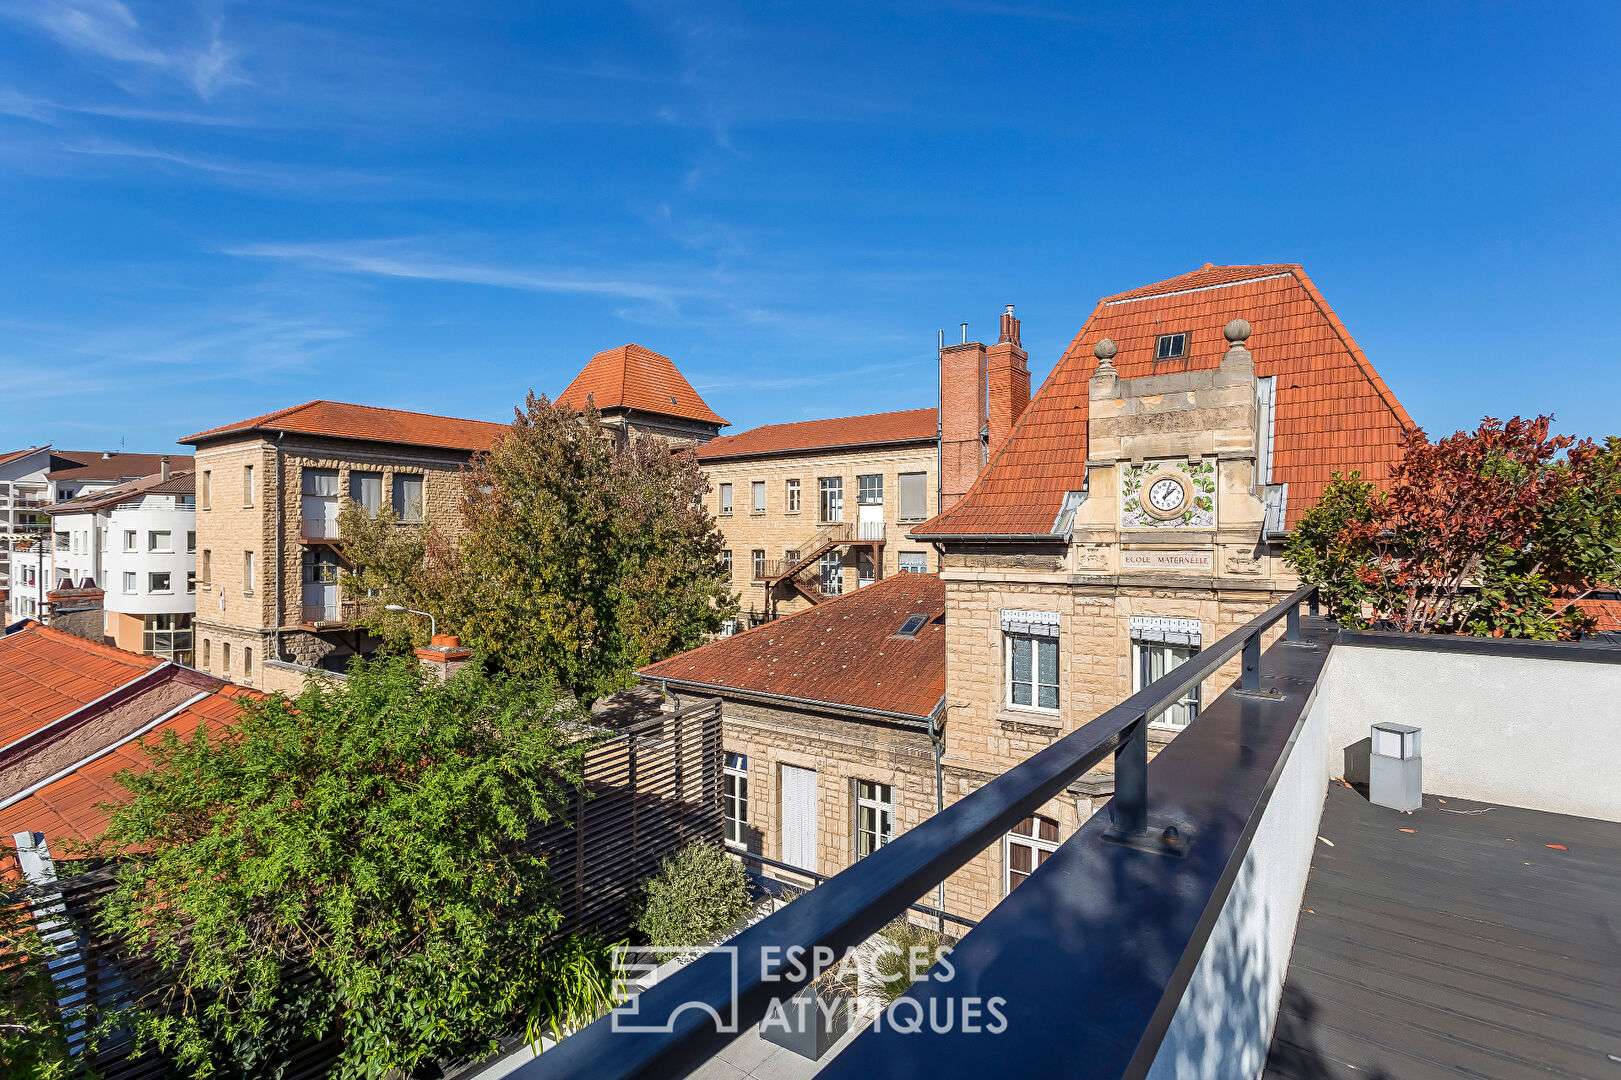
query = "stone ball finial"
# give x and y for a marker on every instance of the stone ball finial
(1105, 349)
(1238, 330)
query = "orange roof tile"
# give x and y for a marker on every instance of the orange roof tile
(69, 806)
(842, 652)
(631, 377)
(912, 425)
(341, 420)
(1333, 410)
(46, 674)
(8, 458)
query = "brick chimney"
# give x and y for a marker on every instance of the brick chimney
(444, 656)
(962, 418)
(1007, 380)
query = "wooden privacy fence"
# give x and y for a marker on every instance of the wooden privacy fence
(650, 789)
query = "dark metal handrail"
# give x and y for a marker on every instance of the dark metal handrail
(817, 879)
(856, 903)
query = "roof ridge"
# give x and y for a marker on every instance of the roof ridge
(830, 419)
(109, 652)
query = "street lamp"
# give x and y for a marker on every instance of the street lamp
(433, 627)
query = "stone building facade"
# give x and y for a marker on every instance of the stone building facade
(810, 495)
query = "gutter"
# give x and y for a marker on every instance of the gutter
(765, 695)
(104, 751)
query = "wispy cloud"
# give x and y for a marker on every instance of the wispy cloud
(391, 260)
(108, 29)
(46, 111)
(279, 175)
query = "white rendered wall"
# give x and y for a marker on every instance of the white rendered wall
(155, 513)
(1541, 734)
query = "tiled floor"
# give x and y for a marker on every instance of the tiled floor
(749, 1056)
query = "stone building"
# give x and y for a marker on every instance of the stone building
(1137, 510)
(828, 720)
(269, 490)
(640, 392)
(819, 508)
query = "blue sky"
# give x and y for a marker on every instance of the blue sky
(212, 210)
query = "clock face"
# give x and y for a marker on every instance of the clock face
(1166, 495)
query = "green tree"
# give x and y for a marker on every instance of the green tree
(1491, 532)
(369, 831)
(390, 563)
(582, 555)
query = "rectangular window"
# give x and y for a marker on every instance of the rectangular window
(202, 488)
(322, 483)
(247, 662)
(914, 495)
(129, 539)
(158, 581)
(790, 496)
(758, 556)
(1027, 847)
(830, 492)
(1153, 659)
(191, 581)
(247, 485)
(63, 541)
(758, 493)
(129, 581)
(914, 562)
(247, 571)
(191, 541)
(726, 562)
(225, 657)
(366, 488)
(736, 798)
(725, 499)
(870, 489)
(208, 660)
(1171, 347)
(875, 817)
(789, 557)
(168, 636)
(159, 540)
(1032, 666)
(408, 498)
(208, 567)
(831, 571)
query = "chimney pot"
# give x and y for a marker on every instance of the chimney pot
(163, 467)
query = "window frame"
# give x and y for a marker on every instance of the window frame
(791, 496)
(725, 496)
(735, 799)
(921, 556)
(358, 478)
(1191, 701)
(247, 486)
(152, 581)
(1160, 341)
(757, 562)
(132, 583)
(404, 513)
(865, 490)
(726, 561)
(132, 540)
(152, 540)
(1040, 848)
(247, 573)
(756, 496)
(882, 804)
(1009, 637)
(826, 486)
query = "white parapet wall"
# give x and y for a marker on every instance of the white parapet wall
(1529, 724)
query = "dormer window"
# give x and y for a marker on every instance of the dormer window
(1171, 347)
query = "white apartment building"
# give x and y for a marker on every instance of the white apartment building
(137, 544)
(32, 480)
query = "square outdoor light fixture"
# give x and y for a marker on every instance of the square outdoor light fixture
(1395, 769)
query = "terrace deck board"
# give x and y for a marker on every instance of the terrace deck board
(1467, 947)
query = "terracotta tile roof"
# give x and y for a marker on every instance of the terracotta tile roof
(912, 425)
(842, 652)
(68, 806)
(92, 465)
(631, 377)
(46, 674)
(1333, 410)
(341, 420)
(182, 483)
(8, 458)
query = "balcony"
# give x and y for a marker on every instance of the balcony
(318, 530)
(329, 615)
(1233, 912)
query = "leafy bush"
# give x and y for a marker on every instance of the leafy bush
(577, 981)
(698, 893)
(369, 832)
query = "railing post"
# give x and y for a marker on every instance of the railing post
(1292, 623)
(1250, 679)
(1129, 810)
(1313, 602)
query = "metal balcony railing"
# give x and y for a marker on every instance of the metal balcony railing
(872, 530)
(332, 612)
(317, 529)
(676, 1019)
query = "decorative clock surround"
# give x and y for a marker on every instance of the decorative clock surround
(1168, 494)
